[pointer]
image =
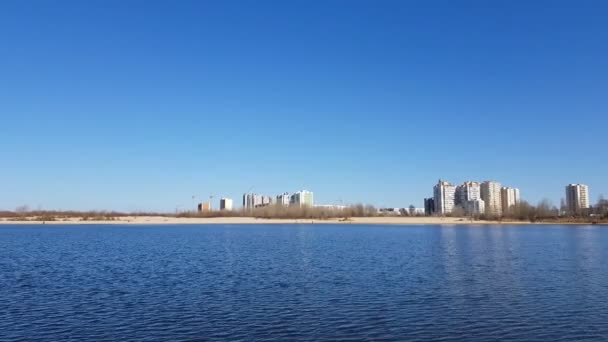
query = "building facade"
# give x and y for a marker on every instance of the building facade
(204, 207)
(490, 194)
(248, 201)
(226, 204)
(302, 198)
(429, 206)
(577, 198)
(251, 201)
(266, 200)
(330, 206)
(443, 197)
(509, 198)
(467, 191)
(284, 199)
(412, 211)
(474, 207)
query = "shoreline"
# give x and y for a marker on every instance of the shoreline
(158, 220)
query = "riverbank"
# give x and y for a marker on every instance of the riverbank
(392, 220)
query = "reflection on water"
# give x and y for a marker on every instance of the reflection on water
(304, 282)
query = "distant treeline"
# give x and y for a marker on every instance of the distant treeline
(272, 211)
(291, 212)
(545, 211)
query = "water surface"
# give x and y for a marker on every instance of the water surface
(303, 282)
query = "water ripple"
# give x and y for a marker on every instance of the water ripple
(305, 283)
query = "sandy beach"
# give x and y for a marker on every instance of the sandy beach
(253, 220)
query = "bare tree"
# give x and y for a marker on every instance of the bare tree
(457, 211)
(546, 209)
(22, 209)
(601, 208)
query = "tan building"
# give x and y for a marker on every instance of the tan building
(577, 198)
(204, 207)
(490, 194)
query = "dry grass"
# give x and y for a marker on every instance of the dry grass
(55, 215)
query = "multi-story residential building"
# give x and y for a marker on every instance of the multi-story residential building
(443, 197)
(266, 200)
(226, 204)
(247, 201)
(284, 199)
(251, 201)
(509, 198)
(467, 191)
(577, 198)
(474, 207)
(302, 198)
(429, 206)
(490, 194)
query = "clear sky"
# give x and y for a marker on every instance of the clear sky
(138, 105)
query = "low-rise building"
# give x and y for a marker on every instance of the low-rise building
(412, 211)
(389, 211)
(330, 206)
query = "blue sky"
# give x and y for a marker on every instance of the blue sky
(138, 105)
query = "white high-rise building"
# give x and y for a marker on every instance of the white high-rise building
(467, 191)
(251, 201)
(284, 199)
(490, 194)
(247, 201)
(302, 198)
(226, 204)
(509, 198)
(443, 194)
(577, 198)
